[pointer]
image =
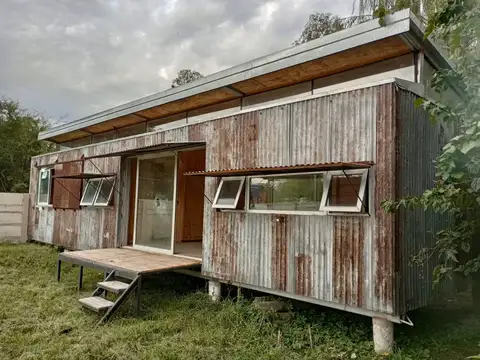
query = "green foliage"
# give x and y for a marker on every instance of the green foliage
(321, 24)
(423, 9)
(457, 189)
(318, 25)
(186, 76)
(18, 136)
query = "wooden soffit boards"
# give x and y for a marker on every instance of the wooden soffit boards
(353, 58)
(189, 103)
(117, 123)
(73, 135)
(336, 63)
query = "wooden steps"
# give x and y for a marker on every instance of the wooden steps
(96, 303)
(113, 286)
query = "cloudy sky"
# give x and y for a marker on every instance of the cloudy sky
(71, 58)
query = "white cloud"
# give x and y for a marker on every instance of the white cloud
(79, 57)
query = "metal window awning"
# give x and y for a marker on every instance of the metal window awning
(139, 150)
(84, 176)
(283, 169)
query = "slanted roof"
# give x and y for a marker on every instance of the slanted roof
(347, 49)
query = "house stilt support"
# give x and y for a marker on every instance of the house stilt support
(382, 335)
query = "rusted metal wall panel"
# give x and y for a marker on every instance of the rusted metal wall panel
(419, 144)
(89, 227)
(384, 188)
(352, 126)
(310, 136)
(344, 259)
(347, 260)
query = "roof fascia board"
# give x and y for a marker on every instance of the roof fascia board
(398, 23)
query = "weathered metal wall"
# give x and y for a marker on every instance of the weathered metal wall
(86, 228)
(92, 227)
(344, 259)
(419, 144)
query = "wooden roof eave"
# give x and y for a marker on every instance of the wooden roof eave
(231, 83)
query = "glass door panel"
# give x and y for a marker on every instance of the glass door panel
(155, 204)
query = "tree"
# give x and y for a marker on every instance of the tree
(18, 135)
(318, 25)
(423, 9)
(456, 191)
(186, 76)
(321, 24)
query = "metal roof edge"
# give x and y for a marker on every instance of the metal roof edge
(397, 24)
(413, 87)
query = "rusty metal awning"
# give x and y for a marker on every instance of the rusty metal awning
(283, 169)
(146, 149)
(84, 176)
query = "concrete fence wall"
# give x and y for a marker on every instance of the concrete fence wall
(13, 217)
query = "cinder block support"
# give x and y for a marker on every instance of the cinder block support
(382, 335)
(215, 290)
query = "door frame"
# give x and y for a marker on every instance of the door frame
(174, 204)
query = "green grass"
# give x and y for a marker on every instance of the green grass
(41, 319)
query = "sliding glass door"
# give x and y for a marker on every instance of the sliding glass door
(155, 202)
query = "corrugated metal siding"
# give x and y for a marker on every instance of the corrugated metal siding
(90, 227)
(384, 234)
(344, 259)
(419, 144)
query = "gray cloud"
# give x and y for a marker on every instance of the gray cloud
(79, 57)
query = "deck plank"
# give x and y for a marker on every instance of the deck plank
(129, 260)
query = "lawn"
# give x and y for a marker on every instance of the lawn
(41, 319)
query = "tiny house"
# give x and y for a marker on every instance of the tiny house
(269, 175)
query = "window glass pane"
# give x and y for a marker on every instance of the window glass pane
(105, 190)
(44, 186)
(228, 192)
(90, 190)
(289, 192)
(344, 191)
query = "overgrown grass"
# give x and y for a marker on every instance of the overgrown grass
(41, 319)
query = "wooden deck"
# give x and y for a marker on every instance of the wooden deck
(127, 261)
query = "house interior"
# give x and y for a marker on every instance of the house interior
(165, 206)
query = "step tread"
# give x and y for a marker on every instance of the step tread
(114, 286)
(96, 303)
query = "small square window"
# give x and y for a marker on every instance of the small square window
(44, 186)
(228, 192)
(90, 192)
(344, 191)
(105, 192)
(98, 192)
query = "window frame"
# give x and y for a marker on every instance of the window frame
(215, 205)
(107, 202)
(84, 191)
(283, 212)
(360, 196)
(50, 185)
(95, 201)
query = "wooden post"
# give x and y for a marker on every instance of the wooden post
(80, 278)
(59, 269)
(139, 290)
